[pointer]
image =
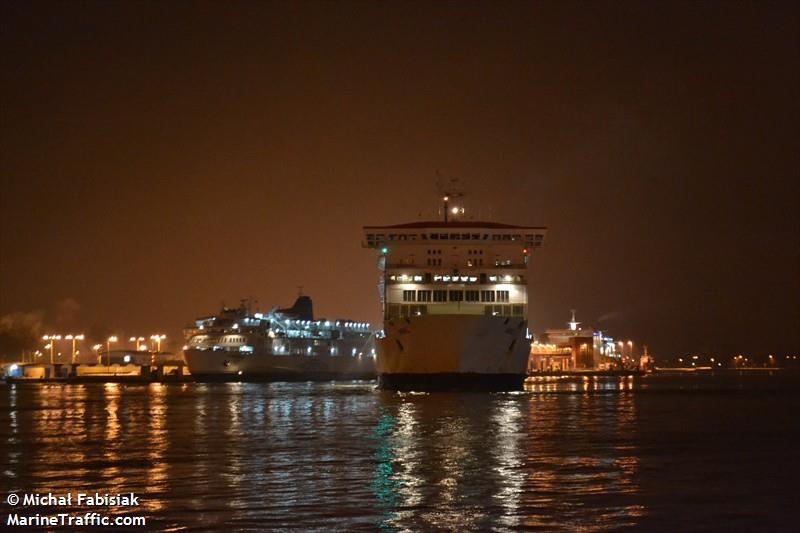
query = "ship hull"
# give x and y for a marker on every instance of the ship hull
(218, 365)
(447, 352)
(451, 382)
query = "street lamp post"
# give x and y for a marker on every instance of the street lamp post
(74, 339)
(111, 339)
(158, 339)
(138, 341)
(49, 345)
(52, 345)
(96, 349)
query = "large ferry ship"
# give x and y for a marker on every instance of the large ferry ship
(455, 302)
(281, 345)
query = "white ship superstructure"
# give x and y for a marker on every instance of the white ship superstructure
(455, 300)
(283, 344)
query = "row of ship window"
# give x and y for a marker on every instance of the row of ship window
(410, 310)
(372, 237)
(307, 350)
(477, 262)
(471, 262)
(469, 252)
(454, 296)
(482, 278)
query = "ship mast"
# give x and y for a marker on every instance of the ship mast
(448, 191)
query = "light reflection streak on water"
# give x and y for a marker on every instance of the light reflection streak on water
(114, 477)
(506, 421)
(385, 485)
(450, 457)
(73, 426)
(14, 452)
(232, 469)
(406, 439)
(157, 439)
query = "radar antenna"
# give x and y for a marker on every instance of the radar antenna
(449, 189)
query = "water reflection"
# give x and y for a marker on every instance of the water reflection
(508, 461)
(564, 455)
(156, 445)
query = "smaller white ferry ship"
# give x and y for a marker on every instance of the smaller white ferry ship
(281, 345)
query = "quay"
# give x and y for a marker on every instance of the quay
(175, 371)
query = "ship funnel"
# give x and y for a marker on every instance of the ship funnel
(302, 309)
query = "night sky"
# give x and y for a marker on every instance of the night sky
(159, 158)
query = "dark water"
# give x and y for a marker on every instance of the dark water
(667, 454)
